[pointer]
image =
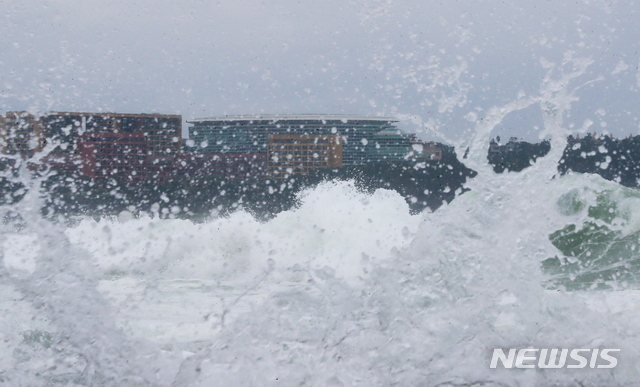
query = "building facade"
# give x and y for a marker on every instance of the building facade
(426, 151)
(292, 154)
(431, 150)
(21, 134)
(120, 156)
(390, 145)
(250, 134)
(127, 147)
(161, 132)
(135, 147)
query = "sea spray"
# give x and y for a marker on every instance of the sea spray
(347, 289)
(326, 230)
(433, 313)
(73, 339)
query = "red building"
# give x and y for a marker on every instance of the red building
(129, 148)
(159, 168)
(122, 156)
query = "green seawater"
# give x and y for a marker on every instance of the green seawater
(602, 250)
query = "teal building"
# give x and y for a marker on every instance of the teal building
(364, 138)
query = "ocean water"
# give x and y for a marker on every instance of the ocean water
(348, 289)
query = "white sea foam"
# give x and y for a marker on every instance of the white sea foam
(360, 287)
(335, 226)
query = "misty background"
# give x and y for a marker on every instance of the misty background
(438, 66)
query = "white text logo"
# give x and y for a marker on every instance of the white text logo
(554, 358)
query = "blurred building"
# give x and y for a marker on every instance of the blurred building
(161, 132)
(97, 144)
(428, 150)
(292, 154)
(120, 156)
(25, 133)
(249, 134)
(20, 134)
(390, 145)
(135, 147)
